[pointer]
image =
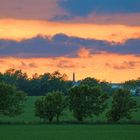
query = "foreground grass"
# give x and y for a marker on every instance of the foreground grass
(69, 132)
(66, 131)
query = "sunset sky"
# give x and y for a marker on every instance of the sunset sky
(96, 38)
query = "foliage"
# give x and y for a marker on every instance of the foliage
(92, 82)
(16, 78)
(122, 105)
(37, 85)
(132, 84)
(85, 101)
(50, 106)
(53, 82)
(11, 100)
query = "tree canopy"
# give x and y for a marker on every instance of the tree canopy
(38, 84)
(50, 106)
(85, 101)
(11, 100)
(123, 105)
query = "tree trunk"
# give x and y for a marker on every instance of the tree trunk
(50, 119)
(57, 117)
(80, 119)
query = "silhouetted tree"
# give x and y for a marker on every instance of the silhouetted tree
(85, 101)
(38, 84)
(11, 100)
(50, 106)
(122, 106)
(90, 82)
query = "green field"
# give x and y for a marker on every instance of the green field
(66, 131)
(28, 115)
(69, 132)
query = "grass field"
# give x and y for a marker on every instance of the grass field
(28, 115)
(66, 131)
(70, 132)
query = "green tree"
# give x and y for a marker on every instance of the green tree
(92, 82)
(50, 106)
(85, 101)
(11, 100)
(16, 78)
(123, 105)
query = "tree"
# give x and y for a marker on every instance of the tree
(50, 82)
(50, 106)
(122, 106)
(16, 78)
(85, 101)
(11, 100)
(92, 82)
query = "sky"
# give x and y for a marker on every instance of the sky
(96, 38)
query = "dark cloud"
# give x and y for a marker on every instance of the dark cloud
(63, 45)
(66, 64)
(124, 65)
(30, 9)
(85, 7)
(27, 65)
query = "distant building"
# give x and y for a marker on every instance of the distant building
(116, 86)
(134, 91)
(138, 91)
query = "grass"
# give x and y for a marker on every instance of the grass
(28, 115)
(67, 131)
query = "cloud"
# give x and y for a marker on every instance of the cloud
(31, 9)
(84, 8)
(123, 65)
(66, 64)
(124, 12)
(24, 29)
(131, 19)
(63, 45)
(84, 53)
(93, 66)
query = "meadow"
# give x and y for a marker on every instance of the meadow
(30, 128)
(29, 117)
(69, 132)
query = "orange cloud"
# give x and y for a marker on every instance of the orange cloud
(83, 52)
(19, 29)
(104, 66)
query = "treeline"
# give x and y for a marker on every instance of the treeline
(132, 84)
(38, 85)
